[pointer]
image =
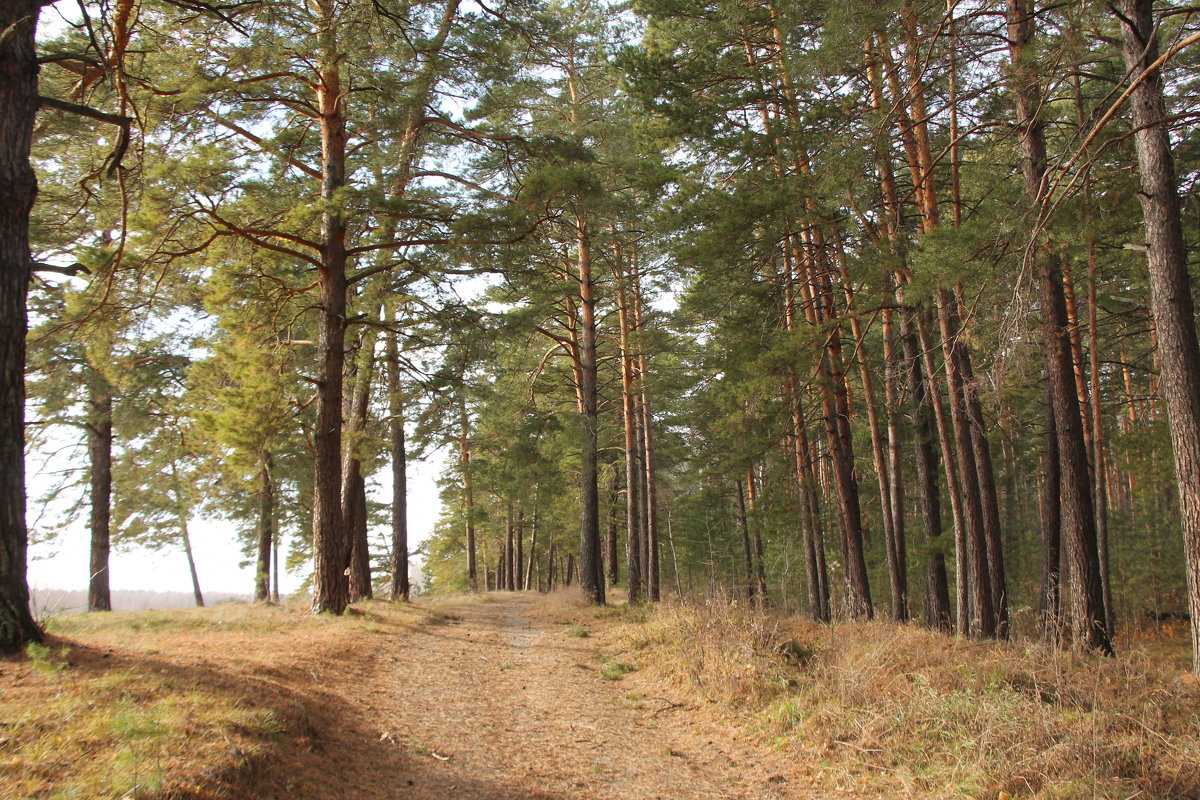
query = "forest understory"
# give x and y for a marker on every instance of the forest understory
(510, 695)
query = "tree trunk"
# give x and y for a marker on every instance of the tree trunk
(186, 539)
(937, 591)
(182, 508)
(468, 500)
(1088, 626)
(519, 553)
(591, 563)
(532, 579)
(400, 589)
(759, 567)
(266, 531)
(962, 580)
(744, 527)
(354, 489)
(836, 415)
(633, 482)
(330, 543)
(1051, 524)
(1170, 289)
(611, 552)
(100, 439)
(990, 502)
(18, 187)
(983, 617)
(653, 572)
(898, 549)
(893, 544)
(802, 465)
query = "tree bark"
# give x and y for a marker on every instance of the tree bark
(937, 591)
(354, 489)
(962, 580)
(1088, 627)
(510, 553)
(468, 499)
(400, 589)
(591, 563)
(100, 439)
(612, 561)
(633, 482)
(898, 550)
(744, 527)
(266, 531)
(1170, 289)
(652, 572)
(760, 571)
(983, 618)
(1051, 524)
(330, 543)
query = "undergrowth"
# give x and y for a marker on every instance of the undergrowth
(897, 710)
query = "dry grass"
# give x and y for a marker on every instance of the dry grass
(179, 704)
(900, 711)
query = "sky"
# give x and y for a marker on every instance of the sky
(62, 564)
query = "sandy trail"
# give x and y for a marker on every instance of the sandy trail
(491, 702)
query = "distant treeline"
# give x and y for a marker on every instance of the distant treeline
(46, 602)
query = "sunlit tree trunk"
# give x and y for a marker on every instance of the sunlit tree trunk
(330, 543)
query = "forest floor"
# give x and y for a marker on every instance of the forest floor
(500, 696)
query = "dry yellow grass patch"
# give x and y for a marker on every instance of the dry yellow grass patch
(905, 712)
(164, 703)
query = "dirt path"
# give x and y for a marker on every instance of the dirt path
(489, 701)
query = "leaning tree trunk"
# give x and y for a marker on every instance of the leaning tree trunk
(1170, 289)
(354, 489)
(100, 439)
(18, 187)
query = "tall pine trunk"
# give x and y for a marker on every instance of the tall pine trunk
(1170, 288)
(354, 489)
(1088, 627)
(100, 439)
(591, 562)
(330, 542)
(468, 496)
(937, 591)
(266, 531)
(747, 547)
(633, 512)
(400, 588)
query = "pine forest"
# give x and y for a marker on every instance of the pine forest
(863, 316)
